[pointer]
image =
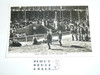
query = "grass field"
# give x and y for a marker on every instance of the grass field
(67, 46)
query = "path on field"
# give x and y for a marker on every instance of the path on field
(67, 46)
(41, 39)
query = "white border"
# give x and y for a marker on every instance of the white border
(70, 65)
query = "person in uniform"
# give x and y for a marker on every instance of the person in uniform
(87, 34)
(75, 32)
(49, 38)
(83, 33)
(80, 32)
(72, 32)
(60, 37)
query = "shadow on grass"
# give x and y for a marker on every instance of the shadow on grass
(57, 49)
(65, 46)
(75, 46)
(72, 46)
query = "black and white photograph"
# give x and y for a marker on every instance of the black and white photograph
(49, 37)
(45, 30)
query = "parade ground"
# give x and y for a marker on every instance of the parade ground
(67, 46)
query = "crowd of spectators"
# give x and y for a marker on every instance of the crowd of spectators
(74, 26)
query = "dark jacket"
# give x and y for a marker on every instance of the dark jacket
(49, 38)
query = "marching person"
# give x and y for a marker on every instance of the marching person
(80, 31)
(86, 33)
(75, 32)
(72, 32)
(60, 37)
(83, 33)
(49, 38)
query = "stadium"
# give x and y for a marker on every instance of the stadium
(29, 26)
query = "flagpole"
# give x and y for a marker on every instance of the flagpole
(78, 15)
(25, 17)
(87, 14)
(70, 15)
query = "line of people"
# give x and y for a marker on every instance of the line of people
(80, 32)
